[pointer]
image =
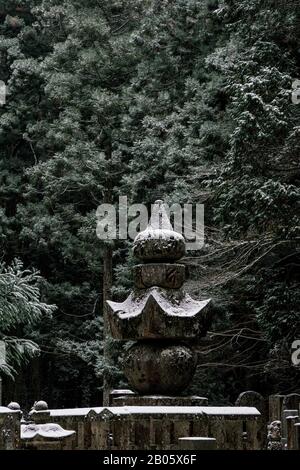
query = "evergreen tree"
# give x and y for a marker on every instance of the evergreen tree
(183, 100)
(256, 194)
(68, 125)
(20, 309)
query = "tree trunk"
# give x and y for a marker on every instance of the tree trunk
(107, 285)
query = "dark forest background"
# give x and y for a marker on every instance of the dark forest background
(186, 100)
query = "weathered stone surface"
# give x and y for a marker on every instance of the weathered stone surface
(291, 402)
(279, 403)
(40, 412)
(158, 427)
(40, 406)
(162, 245)
(197, 443)
(252, 398)
(14, 406)
(274, 436)
(157, 368)
(286, 414)
(48, 436)
(157, 400)
(123, 393)
(292, 439)
(159, 241)
(297, 436)
(275, 407)
(167, 275)
(158, 309)
(159, 313)
(9, 428)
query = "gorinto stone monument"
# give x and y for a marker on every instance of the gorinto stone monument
(159, 315)
(164, 323)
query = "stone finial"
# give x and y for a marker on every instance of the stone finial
(14, 406)
(159, 242)
(40, 406)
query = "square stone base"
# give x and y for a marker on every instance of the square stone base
(158, 400)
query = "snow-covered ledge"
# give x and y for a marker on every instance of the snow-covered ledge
(157, 427)
(47, 431)
(158, 410)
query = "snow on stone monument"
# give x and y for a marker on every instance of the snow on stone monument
(158, 314)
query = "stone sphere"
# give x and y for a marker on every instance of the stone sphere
(163, 369)
(40, 406)
(14, 406)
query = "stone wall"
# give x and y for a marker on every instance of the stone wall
(9, 428)
(144, 426)
(159, 428)
(285, 409)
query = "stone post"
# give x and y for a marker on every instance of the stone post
(197, 443)
(275, 407)
(285, 415)
(291, 432)
(251, 398)
(297, 436)
(40, 413)
(10, 427)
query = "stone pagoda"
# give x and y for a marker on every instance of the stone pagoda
(164, 323)
(162, 319)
